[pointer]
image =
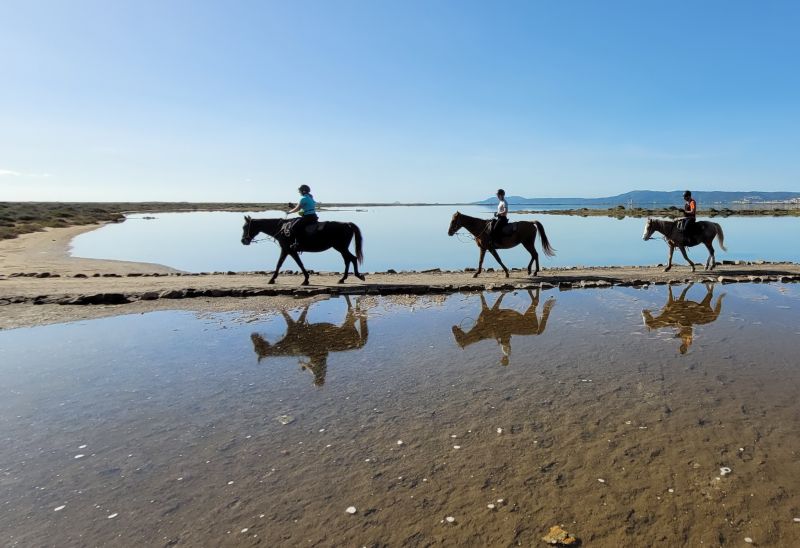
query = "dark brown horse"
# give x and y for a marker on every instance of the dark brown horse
(501, 323)
(703, 232)
(317, 237)
(315, 340)
(513, 234)
(683, 315)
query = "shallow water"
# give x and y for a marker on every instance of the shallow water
(233, 430)
(415, 238)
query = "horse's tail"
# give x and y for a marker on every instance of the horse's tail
(548, 250)
(359, 242)
(720, 237)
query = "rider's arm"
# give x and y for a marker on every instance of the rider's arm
(296, 209)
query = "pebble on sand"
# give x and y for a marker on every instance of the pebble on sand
(351, 510)
(59, 508)
(499, 430)
(456, 447)
(724, 471)
(450, 519)
(796, 520)
(601, 480)
(112, 516)
(399, 442)
(748, 540)
(80, 456)
(491, 506)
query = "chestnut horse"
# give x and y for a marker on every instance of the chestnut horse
(703, 232)
(513, 234)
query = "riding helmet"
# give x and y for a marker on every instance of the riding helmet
(687, 194)
(305, 189)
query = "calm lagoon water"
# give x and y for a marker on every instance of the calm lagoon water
(415, 238)
(173, 428)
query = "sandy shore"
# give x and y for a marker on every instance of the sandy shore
(48, 251)
(38, 277)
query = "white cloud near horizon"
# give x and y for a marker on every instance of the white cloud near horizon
(12, 173)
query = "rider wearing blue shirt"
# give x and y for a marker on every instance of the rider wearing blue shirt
(307, 208)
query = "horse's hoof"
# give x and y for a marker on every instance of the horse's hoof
(271, 282)
(475, 275)
(340, 281)
(361, 277)
(508, 275)
(667, 269)
(305, 282)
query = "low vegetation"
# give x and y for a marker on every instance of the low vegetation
(621, 211)
(22, 217)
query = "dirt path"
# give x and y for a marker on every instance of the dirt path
(37, 277)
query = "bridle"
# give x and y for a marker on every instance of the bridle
(252, 240)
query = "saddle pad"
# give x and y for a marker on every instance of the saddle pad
(510, 228)
(316, 227)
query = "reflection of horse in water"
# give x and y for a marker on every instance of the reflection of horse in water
(501, 323)
(315, 340)
(683, 315)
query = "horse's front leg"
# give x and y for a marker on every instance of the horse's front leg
(669, 258)
(480, 262)
(278, 266)
(497, 258)
(686, 256)
(296, 258)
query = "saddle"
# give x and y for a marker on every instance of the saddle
(310, 229)
(689, 232)
(507, 229)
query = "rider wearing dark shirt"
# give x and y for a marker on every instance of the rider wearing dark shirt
(689, 212)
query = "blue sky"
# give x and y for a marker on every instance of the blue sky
(385, 101)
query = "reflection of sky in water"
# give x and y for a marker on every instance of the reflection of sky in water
(169, 408)
(414, 238)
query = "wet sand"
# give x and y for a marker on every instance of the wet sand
(180, 428)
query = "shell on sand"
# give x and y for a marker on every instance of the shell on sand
(557, 535)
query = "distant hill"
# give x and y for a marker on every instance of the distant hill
(642, 197)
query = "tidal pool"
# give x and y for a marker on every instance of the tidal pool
(611, 412)
(415, 238)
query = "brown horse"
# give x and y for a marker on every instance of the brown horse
(315, 340)
(513, 234)
(703, 232)
(501, 323)
(683, 315)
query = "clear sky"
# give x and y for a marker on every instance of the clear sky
(372, 100)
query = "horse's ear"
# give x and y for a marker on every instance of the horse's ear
(247, 217)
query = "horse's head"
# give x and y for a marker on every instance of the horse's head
(455, 224)
(649, 228)
(247, 230)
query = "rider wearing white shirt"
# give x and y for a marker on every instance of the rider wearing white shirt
(501, 217)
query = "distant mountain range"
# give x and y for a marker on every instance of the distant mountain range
(643, 197)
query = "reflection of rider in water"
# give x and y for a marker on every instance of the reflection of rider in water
(307, 208)
(683, 315)
(500, 324)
